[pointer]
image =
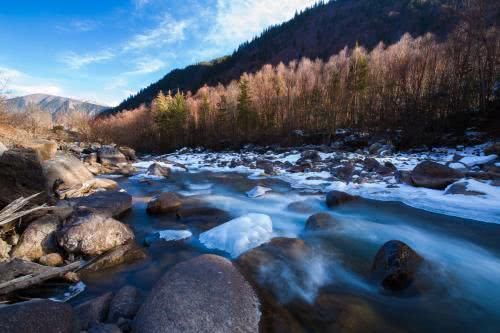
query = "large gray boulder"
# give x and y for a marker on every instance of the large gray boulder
(109, 155)
(110, 203)
(66, 169)
(92, 234)
(38, 239)
(205, 294)
(40, 316)
(21, 175)
(434, 175)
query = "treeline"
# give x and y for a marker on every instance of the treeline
(418, 86)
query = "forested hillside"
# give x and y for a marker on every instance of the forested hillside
(318, 32)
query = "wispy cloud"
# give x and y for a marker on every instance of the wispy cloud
(18, 83)
(147, 65)
(168, 31)
(141, 3)
(238, 21)
(78, 26)
(77, 61)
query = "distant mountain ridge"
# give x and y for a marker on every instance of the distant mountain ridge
(55, 105)
(318, 32)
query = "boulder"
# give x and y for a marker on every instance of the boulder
(265, 165)
(109, 203)
(371, 164)
(52, 260)
(40, 316)
(166, 202)
(395, 265)
(204, 294)
(46, 149)
(125, 304)
(310, 155)
(109, 155)
(92, 234)
(267, 265)
(344, 172)
(21, 175)
(158, 170)
(90, 158)
(203, 218)
(119, 255)
(126, 170)
(336, 198)
(320, 221)
(93, 311)
(129, 153)
(38, 239)
(66, 169)
(434, 175)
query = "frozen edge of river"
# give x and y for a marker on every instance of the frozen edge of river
(484, 208)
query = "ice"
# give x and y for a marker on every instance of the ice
(239, 235)
(73, 291)
(174, 235)
(477, 160)
(258, 191)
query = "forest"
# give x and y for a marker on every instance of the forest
(418, 87)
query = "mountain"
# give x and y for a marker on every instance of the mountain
(318, 32)
(55, 105)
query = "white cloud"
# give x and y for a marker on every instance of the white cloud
(77, 61)
(168, 31)
(239, 21)
(147, 65)
(18, 83)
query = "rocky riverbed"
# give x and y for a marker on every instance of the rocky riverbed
(309, 239)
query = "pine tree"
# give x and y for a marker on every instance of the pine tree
(247, 119)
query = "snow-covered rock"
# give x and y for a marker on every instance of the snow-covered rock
(258, 191)
(239, 235)
(478, 160)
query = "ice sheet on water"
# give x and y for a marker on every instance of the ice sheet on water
(239, 235)
(174, 235)
(72, 291)
(258, 191)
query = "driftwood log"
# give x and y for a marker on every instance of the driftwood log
(19, 274)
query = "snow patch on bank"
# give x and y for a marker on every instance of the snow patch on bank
(239, 235)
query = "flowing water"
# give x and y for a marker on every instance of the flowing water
(460, 292)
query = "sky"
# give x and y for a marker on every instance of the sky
(105, 50)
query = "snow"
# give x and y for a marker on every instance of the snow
(73, 291)
(478, 160)
(174, 235)
(258, 191)
(239, 235)
(482, 208)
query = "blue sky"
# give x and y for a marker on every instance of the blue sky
(104, 50)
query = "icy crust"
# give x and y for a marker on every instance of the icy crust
(174, 235)
(239, 235)
(484, 208)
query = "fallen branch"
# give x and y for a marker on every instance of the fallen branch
(13, 211)
(29, 280)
